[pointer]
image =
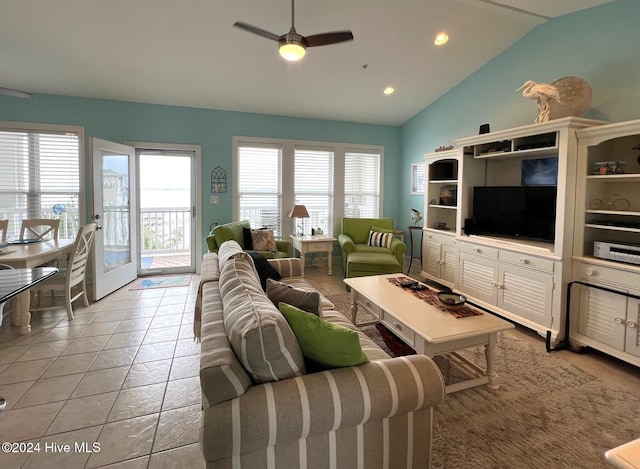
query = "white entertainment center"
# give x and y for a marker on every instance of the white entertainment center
(522, 279)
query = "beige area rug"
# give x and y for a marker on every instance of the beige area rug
(547, 413)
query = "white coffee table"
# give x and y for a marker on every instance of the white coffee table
(428, 329)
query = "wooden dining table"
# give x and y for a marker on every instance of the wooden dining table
(25, 256)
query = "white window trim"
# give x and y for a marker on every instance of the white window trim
(288, 152)
(37, 127)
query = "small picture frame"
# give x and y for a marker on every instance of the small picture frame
(418, 178)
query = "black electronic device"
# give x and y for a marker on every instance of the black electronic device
(408, 283)
(527, 212)
(484, 129)
(468, 228)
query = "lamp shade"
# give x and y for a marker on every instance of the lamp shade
(299, 211)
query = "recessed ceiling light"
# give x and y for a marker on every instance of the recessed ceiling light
(441, 38)
(389, 90)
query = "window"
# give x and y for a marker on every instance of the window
(313, 187)
(362, 185)
(259, 186)
(330, 179)
(40, 176)
(417, 178)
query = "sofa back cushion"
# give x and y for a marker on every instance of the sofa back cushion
(358, 228)
(259, 335)
(222, 376)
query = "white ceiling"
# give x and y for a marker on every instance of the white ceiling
(186, 52)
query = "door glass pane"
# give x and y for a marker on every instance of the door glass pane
(165, 209)
(116, 211)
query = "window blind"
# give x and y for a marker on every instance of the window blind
(260, 187)
(313, 186)
(362, 184)
(40, 178)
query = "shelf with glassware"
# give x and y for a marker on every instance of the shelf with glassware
(606, 315)
(441, 198)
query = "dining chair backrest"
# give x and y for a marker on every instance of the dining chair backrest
(79, 257)
(75, 275)
(40, 228)
(4, 226)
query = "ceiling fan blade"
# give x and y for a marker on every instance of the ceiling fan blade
(328, 38)
(16, 93)
(256, 30)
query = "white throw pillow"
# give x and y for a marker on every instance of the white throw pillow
(378, 239)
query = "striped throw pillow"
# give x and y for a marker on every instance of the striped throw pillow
(378, 239)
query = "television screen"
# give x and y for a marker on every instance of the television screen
(527, 212)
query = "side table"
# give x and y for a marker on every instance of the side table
(411, 230)
(310, 244)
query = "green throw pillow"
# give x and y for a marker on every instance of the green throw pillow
(323, 343)
(379, 229)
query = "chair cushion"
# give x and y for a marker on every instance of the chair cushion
(259, 335)
(324, 344)
(375, 263)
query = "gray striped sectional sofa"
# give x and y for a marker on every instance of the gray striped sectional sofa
(376, 415)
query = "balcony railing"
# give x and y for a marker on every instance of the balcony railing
(165, 230)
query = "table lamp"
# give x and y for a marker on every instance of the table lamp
(299, 211)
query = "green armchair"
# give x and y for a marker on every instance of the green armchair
(359, 259)
(236, 231)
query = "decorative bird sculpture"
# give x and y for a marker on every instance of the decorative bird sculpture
(415, 216)
(543, 93)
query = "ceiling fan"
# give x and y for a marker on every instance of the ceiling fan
(292, 45)
(16, 93)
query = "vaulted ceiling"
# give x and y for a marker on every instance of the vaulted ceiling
(187, 52)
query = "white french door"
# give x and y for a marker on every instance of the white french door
(115, 212)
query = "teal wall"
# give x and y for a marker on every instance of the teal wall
(213, 130)
(600, 45)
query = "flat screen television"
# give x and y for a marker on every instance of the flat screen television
(527, 212)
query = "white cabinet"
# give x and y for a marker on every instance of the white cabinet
(516, 285)
(608, 211)
(604, 319)
(439, 258)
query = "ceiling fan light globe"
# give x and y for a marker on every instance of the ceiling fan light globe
(292, 52)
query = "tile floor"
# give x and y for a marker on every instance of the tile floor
(123, 375)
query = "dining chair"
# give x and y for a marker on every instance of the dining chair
(4, 226)
(40, 228)
(72, 280)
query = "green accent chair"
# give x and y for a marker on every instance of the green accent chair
(235, 231)
(358, 258)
